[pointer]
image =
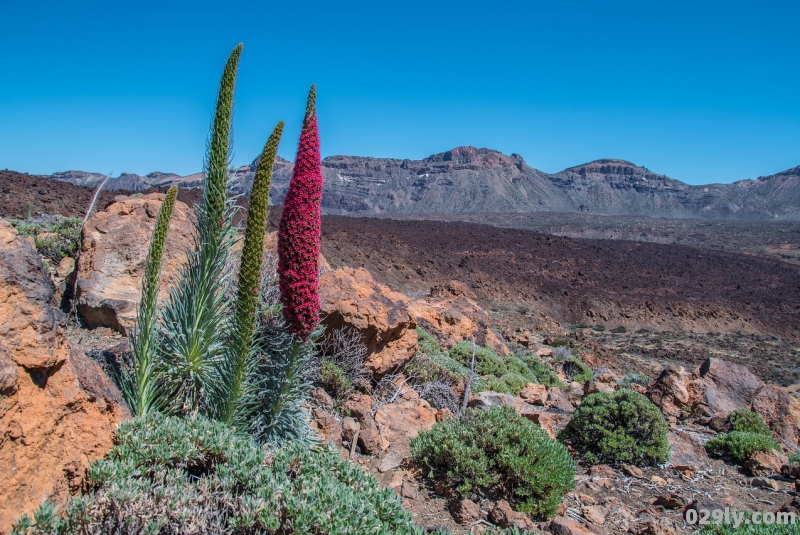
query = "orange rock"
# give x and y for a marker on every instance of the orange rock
(113, 255)
(58, 410)
(352, 297)
(401, 421)
(534, 394)
(114, 251)
(451, 314)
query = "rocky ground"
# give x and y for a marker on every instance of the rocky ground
(460, 282)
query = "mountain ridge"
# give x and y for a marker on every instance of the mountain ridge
(469, 179)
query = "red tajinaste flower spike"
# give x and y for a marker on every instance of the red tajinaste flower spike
(299, 231)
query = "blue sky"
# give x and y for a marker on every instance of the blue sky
(701, 91)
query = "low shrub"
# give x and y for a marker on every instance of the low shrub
(428, 368)
(440, 396)
(544, 372)
(181, 476)
(748, 421)
(333, 379)
(619, 330)
(739, 445)
(635, 379)
(487, 362)
(54, 236)
(498, 450)
(621, 427)
(427, 343)
(342, 366)
(794, 459)
(559, 342)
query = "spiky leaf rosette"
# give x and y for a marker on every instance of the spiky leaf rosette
(299, 231)
(249, 276)
(140, 385)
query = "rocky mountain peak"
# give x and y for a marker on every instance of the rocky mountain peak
(471, 156)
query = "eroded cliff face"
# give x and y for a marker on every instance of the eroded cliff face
(469, 180)
(58, 410)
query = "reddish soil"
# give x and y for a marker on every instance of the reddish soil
(525, 277)
(20, 192)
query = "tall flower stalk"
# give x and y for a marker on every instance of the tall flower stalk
(141, 386)
(249, 278)
(299, 231)
(195, 322)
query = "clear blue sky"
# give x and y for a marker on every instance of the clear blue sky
(701, 91)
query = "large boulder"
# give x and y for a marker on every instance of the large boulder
(113, 255)
(58, 411)
(351, 297)
(114, 252)
(726, 387)
(673, 391)
(718, 387)
(451, 313)
(780, 411)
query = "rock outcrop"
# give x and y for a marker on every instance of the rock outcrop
(114, 251)
(113, 255)
(718, 387)
(352, 297)
(58, 410)
(451, 313)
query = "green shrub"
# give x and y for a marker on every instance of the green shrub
(794, 459)
(54, 236)
(635, 379)
(599, 327)
(559, 342)
(498, 450)
(748, 421)
(739, 445)
(517, 366)
(333, 379)
(544, 372)
(427, 342)
(181, 476)
(427, 368)
(621, 427)
(619, 330)
(515, 382)
(491, 384)
(487, 362)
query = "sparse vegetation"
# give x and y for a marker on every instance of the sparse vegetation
(54, 236)
(497, 448)
(616, 428)
(739, 445)
(342, 368)
(748, 421)
(635, 379)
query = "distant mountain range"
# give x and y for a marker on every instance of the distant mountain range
(466, 179)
